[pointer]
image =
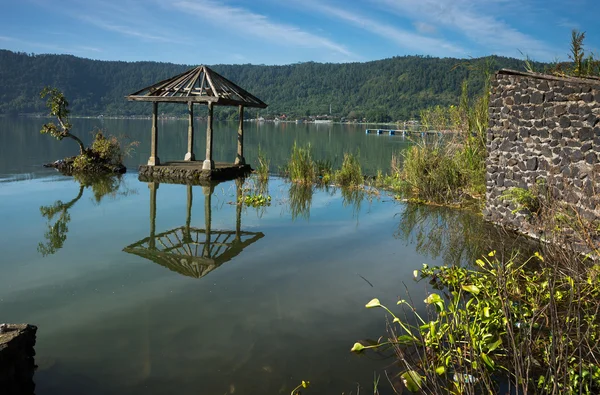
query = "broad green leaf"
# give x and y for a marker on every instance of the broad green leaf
(357, 347)
(433, 298)
(471, 288)
(486, 312)
(487, 360)
(412, 380)
(373, 303)
(440, 370)
(495, 345)
(492, 253)
(480, 263)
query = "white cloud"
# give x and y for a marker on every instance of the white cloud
(245, 22)
(405, 39)
(474, 19)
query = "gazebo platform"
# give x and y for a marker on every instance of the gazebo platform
(191, 172)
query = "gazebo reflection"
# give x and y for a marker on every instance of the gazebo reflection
(191, 251)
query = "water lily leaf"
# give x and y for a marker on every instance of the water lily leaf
(373, 303)
(471, 288)
(412, 380)
(357, 347)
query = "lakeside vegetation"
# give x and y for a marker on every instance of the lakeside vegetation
(105, 154)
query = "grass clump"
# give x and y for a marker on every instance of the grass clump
(262, 171)
(301, 166)
(350, 174)
(431, 173)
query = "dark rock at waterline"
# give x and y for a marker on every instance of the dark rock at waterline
(17, 364)
(97, 167)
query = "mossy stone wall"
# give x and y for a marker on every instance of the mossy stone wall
(543, 128)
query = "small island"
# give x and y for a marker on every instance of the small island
(103, 156)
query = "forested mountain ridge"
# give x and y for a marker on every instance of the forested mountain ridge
(382, 90)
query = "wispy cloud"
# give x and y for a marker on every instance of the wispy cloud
(405, 39)
(246, 22)
(128, 31)
(474, 19)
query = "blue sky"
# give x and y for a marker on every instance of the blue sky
(290, 31)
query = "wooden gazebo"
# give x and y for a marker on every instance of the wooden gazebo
(199, 85)
(192, 251)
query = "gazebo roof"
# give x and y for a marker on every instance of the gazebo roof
(191, 251)
(198, 85)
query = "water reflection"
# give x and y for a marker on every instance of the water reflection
(300, 198)
(57, 214)
(191, 251)
(454, 235)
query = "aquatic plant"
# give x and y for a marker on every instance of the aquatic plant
(527, 326)
(262, 171)
(255, 200)
(301, 167)
(350, 174)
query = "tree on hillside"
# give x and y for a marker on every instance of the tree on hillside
(58, 105)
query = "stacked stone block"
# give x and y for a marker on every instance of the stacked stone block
(546, 128)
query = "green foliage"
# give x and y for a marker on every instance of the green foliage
(301, 167)
(383, 90)
(526, 325)
(263, 166)
(431, 173)
(350, 175)
(59, 108)
(523, 199)
(577, 52)
(256, 200)
(82, 163)
(324, 171)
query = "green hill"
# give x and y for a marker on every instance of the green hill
(382, 90)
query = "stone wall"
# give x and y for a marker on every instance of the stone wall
(17, 364)
(543, 128)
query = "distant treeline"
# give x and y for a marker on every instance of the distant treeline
(380, 91)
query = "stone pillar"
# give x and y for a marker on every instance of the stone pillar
(153, 186)
(154, 161)
(209, 164)
(239, 160)
(190, 151)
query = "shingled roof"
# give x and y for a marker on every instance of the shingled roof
(198, 85)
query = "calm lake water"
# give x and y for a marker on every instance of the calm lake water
(228, 301)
